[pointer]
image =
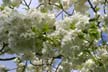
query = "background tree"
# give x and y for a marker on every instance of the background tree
(55, 35)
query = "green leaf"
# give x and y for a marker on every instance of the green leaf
(94, 34)
(93, 25)
(72, 26)
(97, 8)
(38, 44)
(44, 10)
(33, 29)
(60, 5)
(1, 8)
(13, 5)
(85, 31)
(45, 28)
(81, 35)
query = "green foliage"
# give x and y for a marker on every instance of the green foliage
(72, 26)
(93, 31)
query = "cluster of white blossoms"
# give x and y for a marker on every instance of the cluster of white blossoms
(100, 58)
(6, 12)
(3, 20)
(71, 27)
(77, 21)
(67, 34)
(25, 32)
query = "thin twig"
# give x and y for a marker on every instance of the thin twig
(3, 47)
(91, 5)
(30, 2)
(98, 22)
(24, 67)
(58, 66)
(59, 13)
(1, 50)
(69, 14)
(27, 5)
(39, 5)
(62, 9)
(7, 59)
(105, 6)
(38, 64)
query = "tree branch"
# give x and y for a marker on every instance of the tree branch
(59, 13)
(61, 7)
(105, 3)
(27, 5)
(30, 2)
(91, 5)
(39, 5)
(7, 59)
(24, 67)
(3, 47)
(58, 66)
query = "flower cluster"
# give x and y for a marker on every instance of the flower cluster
(69, 36)
(25, 32)
(71, 27)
